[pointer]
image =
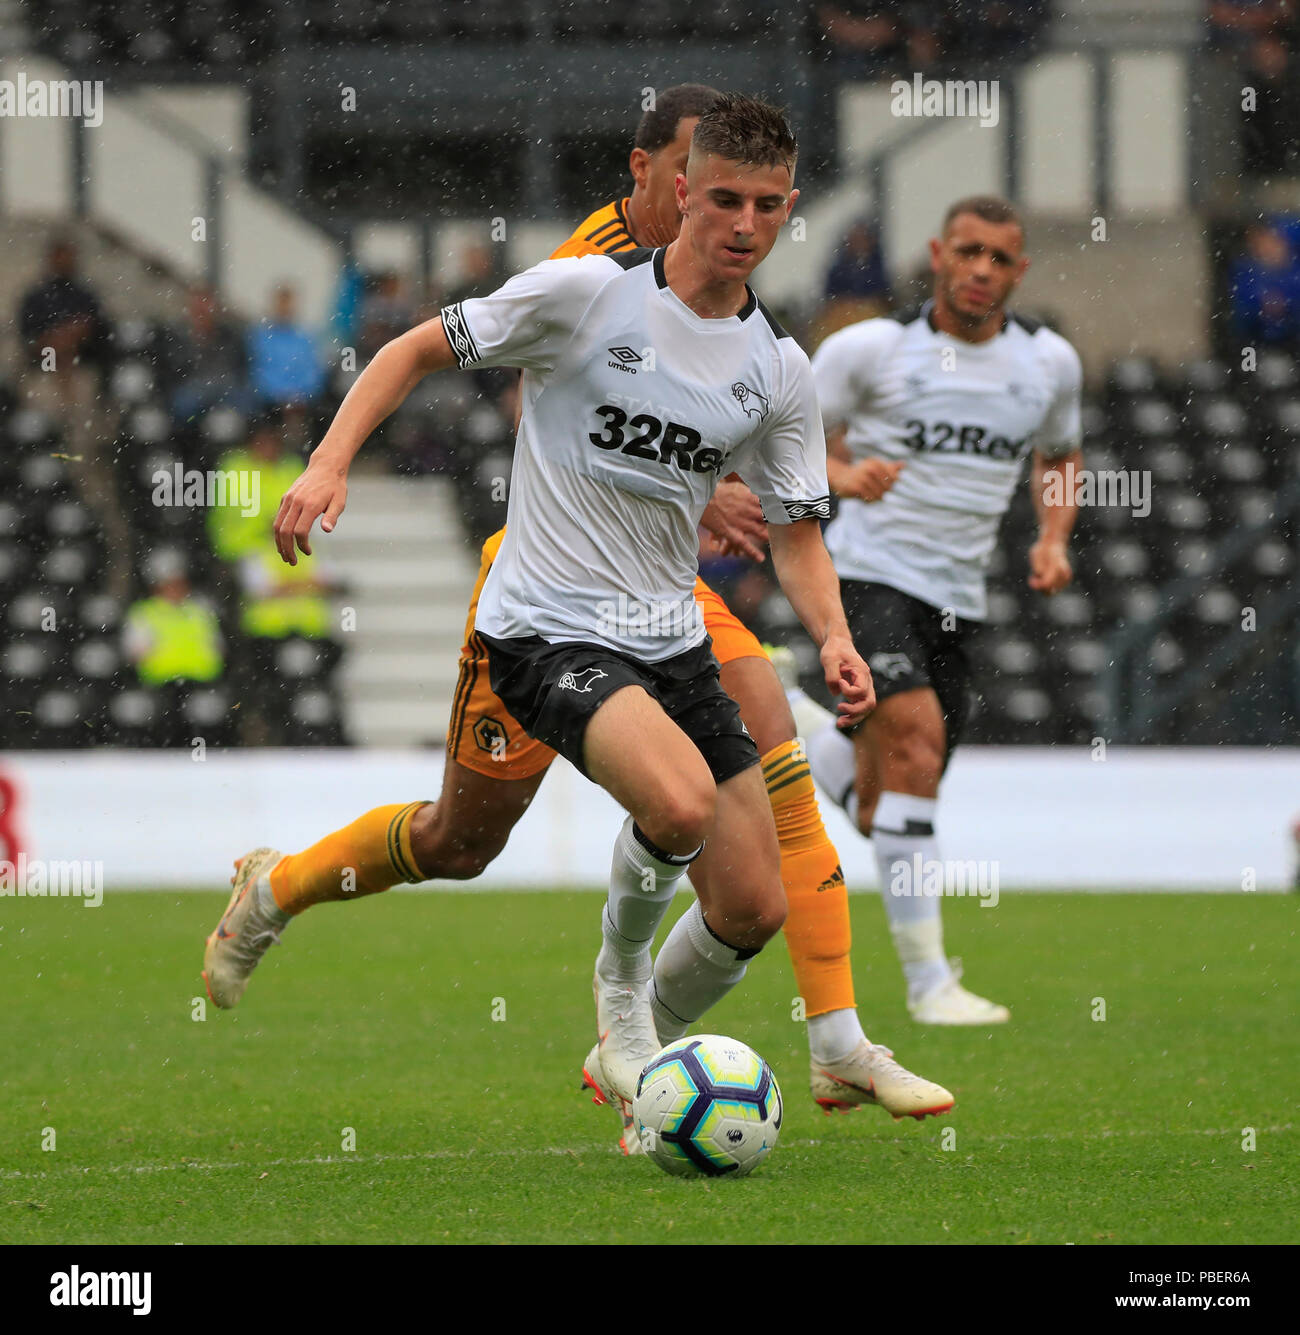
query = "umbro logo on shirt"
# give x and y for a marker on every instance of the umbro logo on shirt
(625, 356)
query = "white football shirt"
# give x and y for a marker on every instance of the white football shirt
(962, 417)
(633, 407)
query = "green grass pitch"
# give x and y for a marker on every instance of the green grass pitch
(378, 1017)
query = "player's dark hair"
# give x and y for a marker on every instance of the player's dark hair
(743, 129)
(992, 208)
(658, 127)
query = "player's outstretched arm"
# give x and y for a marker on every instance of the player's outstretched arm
(809, 581)
(322, 488)
(1049, 559)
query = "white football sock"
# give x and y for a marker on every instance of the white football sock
(641, 883)
(835, 1034)
(902, 833)
(694, 970)
(809, 716)
(266, 903)
(834, 765)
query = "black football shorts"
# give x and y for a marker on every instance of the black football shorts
(910, 644)
(554, 689)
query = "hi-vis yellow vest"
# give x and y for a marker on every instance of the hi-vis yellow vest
(185, 640)
(234, 534)
(275, 616)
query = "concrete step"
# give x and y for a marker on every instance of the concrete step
(398, 618)
(432, 705)
(370, 525)
(388, 573)
(400, 723)
(410, 573)
(399, 669)
(389, 671)
(415, 639)
(423, 670)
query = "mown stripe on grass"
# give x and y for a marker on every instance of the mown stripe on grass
(553, 1151)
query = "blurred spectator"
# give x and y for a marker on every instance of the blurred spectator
(498, 385)
(479, 273)
(285, 366)
(347, 305)
(864, 38)
(1268, 131)
(992, 31)
(857, 287)
(282, 600)
(173, 635)
(1235, 25)
(65, 335)
(60, 313)
(385, 313)
(858, 270)
(270, 470)
(1264, 286)
(750, 592)
(205, 359)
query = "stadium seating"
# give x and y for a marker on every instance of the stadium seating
(63, 671)
(1216, 445)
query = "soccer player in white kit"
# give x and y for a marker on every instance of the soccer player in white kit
(929, 421)
(647, 376)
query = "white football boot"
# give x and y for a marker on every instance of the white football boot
(593, 1078)
(950, 1003)
(244, 934)
(626, 1029)
(869, 1074)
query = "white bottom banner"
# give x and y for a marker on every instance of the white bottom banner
(1039, 817)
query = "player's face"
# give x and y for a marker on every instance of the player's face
(733, 211)
(662, 168)
(977, 266)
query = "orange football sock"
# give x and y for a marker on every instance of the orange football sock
(370, 855)
(817, 928)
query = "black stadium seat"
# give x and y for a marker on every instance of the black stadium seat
(134, 717)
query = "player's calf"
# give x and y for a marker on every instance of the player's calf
(742, 906)
(446, 848)
(457, 837)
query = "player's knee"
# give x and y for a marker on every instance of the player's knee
(753, 922)
(915, 761)
(771, 916)
(682, 818)
(442, 853)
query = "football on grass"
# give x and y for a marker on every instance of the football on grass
(707, 1105)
